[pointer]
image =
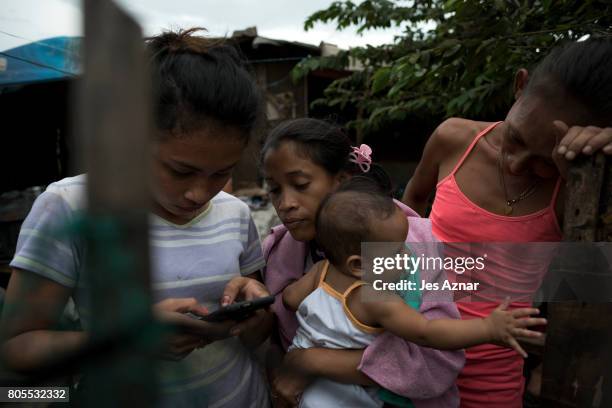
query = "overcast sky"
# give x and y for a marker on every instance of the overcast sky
(23, 21)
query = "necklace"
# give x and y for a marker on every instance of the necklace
(511, 201)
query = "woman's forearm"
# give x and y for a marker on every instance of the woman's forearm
(336, 365)
(32, 350)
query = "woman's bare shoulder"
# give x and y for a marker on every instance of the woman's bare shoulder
(457, 133)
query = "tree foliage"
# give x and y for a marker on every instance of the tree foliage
(454, 58)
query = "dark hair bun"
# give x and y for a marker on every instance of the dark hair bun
(197, 80)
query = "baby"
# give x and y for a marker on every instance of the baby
(337, 309)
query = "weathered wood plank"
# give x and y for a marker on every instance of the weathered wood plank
(577, 366)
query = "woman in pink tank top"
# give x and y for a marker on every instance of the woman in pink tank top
(501, 182)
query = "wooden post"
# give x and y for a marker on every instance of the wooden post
(114, 128)
(577, 368)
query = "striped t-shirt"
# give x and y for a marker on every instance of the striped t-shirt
(195, 260)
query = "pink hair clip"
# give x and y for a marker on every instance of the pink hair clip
(361, 156)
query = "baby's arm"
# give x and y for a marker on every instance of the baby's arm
(500, 327)
(295, 293)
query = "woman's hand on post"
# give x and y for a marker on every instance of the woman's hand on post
(576, 140)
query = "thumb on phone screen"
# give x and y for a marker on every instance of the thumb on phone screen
(243, 288)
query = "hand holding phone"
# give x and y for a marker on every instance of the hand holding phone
(236, 311)
(188, 333)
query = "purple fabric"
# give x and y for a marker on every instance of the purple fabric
(285, 259)
(426, 376)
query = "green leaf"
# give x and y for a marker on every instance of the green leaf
(452, 51)
(380, 80)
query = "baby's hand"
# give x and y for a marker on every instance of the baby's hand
(504, 325)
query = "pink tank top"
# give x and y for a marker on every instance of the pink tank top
(492, 375)
(451, 205)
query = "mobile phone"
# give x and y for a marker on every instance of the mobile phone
(236, 311)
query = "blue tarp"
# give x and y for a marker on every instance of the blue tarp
(45, 60)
